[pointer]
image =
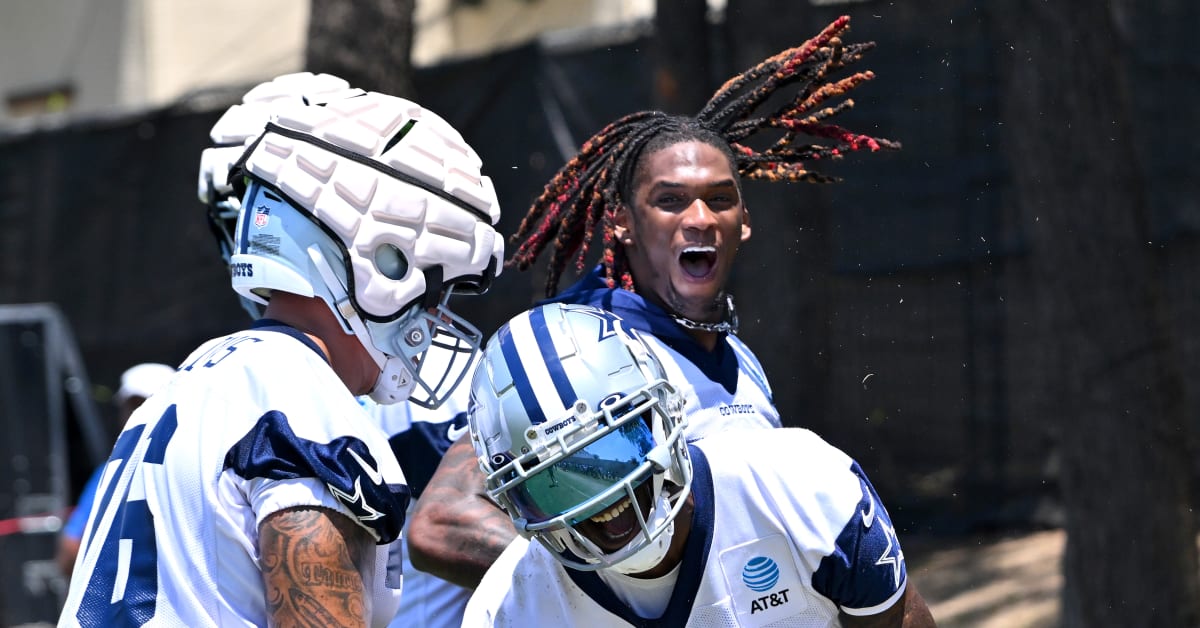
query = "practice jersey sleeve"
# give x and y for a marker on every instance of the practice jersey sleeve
(288, 470)
(865, 574)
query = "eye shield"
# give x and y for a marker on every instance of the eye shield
(572, 485)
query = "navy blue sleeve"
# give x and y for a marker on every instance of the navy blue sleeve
(866, 569)
(272, 450)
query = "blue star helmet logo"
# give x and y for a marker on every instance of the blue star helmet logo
(608, 321)
(760, 574)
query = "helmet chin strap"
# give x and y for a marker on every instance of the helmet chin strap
(395, 382)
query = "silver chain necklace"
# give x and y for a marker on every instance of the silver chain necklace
(728, 326)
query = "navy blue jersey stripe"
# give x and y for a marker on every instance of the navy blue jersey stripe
(562, 384)
(520, 380)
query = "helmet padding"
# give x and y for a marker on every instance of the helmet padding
(236, 129)
(396, 216)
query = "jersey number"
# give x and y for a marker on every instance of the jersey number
(224, 349)
(124, 582)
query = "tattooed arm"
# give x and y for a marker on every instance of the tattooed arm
(312, 564)
(456, 532)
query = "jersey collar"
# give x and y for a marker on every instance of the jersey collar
(719, 365)
(270, 324)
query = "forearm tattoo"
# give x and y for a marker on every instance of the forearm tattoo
(487, 529)
(457, 532)
(312, 561)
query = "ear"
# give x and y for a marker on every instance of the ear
(745, 223)
(623, 225)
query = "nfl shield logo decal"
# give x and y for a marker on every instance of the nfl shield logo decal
(262, 216)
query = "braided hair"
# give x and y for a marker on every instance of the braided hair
(586, 192)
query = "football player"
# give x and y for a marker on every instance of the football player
(580, 433)
(664, 194)
(418, 434)
(255, 489)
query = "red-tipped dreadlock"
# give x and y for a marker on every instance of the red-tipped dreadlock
(592, 185)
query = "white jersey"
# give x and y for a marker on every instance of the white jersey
(711, 405)
(419, 437)
(786, 531)
(253, 423)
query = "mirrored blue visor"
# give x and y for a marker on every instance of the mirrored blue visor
(583, 475)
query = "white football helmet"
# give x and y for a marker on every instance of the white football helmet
(236, 129)
(570, 413)
(377, 206)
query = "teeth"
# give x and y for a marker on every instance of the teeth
(700, 249)
(612, 513)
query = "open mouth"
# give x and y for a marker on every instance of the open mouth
(612, 513)
(613, 528)
(698, 262)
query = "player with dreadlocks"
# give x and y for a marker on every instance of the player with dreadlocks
(598, 186)
(665, 193)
